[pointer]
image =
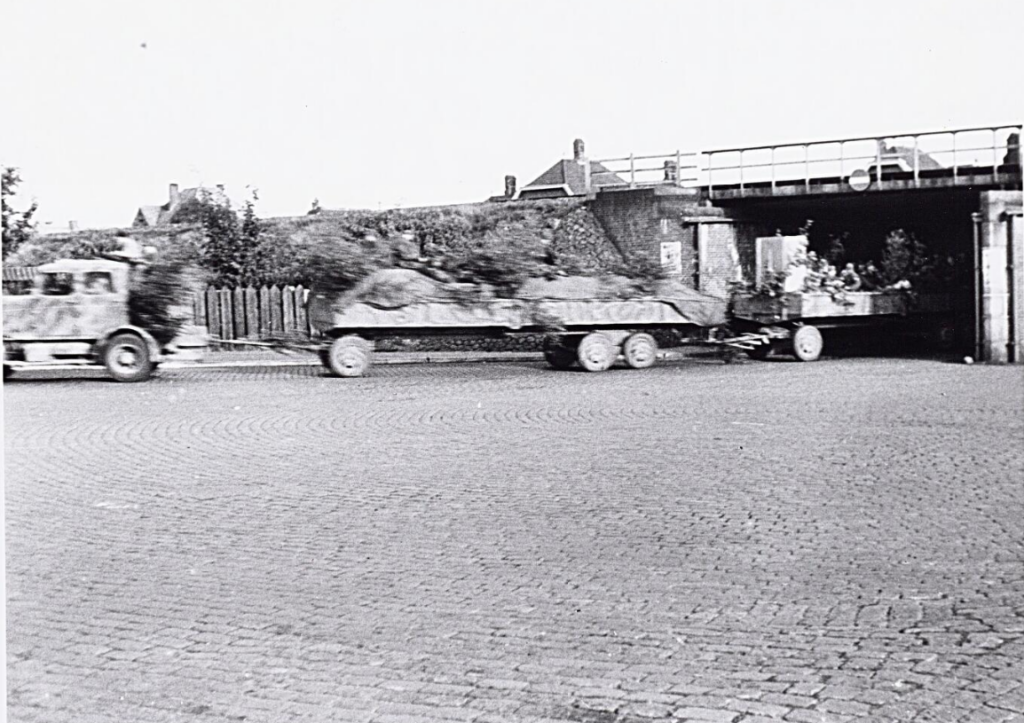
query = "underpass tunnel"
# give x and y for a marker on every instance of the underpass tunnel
(977, 233)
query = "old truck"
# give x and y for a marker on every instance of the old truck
(76, 312)
(586, 321)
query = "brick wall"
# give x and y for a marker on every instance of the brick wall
(639, 221)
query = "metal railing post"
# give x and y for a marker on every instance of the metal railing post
(807, 167)
(741, 173)
(917, 162)
(878, 161)
(632, 172)
(773, 170)
(711, 173)
(995, 156)
(842, 161)
(954, 160)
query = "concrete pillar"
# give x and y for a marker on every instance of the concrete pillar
(1001, 266)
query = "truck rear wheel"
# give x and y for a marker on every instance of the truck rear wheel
(559, 352)
(126, 358)
(349, 356)
(596, 352)
(640, 351)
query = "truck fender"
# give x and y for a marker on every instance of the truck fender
(151, 343)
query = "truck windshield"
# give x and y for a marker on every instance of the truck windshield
(58, 284)
(99, 282)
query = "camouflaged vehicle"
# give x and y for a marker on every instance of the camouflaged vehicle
(75, 312)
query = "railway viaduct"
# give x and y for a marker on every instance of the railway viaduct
(958, 191)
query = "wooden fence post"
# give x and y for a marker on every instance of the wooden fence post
(288, 298)
(301, 319)
(264, 293)
(252, 314)
(227, 330)
(212, 312)
(276, 323)
(238, 311)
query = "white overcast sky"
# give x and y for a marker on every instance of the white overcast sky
(402, 103)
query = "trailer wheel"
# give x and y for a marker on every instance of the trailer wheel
(807, 343)
(596, 353)
(7, 372)
(559, 352)
(349, 356)
(126, 358)
(640, 350)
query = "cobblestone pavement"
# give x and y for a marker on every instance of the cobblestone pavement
(754, 542)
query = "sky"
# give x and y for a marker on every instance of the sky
(399, 103)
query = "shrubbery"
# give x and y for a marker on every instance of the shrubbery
(160, 296)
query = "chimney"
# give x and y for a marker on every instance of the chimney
(578, 150)
(172, 194)
(510, 186)
(72, 225)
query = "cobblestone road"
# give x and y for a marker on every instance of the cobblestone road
(768, 541)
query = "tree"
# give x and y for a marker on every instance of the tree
(17, 225)
(234, 249)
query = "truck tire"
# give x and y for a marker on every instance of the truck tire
(349, 356)
(807, 343)
(126, 358)
(559, 352)
(640, 350)
(596, 352)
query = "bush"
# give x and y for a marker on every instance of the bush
(160, 296)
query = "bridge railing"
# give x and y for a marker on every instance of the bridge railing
(910, 159)
(635, 171)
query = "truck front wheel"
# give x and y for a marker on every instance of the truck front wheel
(349, 356)
(126, 358)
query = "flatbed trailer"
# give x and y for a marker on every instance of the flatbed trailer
(591, 332)
(792, 322)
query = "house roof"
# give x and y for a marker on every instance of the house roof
(163, 215)
(149, 215)
(571, 176)
(904, 156)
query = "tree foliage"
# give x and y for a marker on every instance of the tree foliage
(159, 300)
(234, 249)
(18, 226)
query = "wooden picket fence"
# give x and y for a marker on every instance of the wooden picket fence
(253, 313)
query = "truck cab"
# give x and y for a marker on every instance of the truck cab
(76, 312)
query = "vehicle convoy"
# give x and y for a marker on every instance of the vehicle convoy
(586, 321)
(76, 312)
